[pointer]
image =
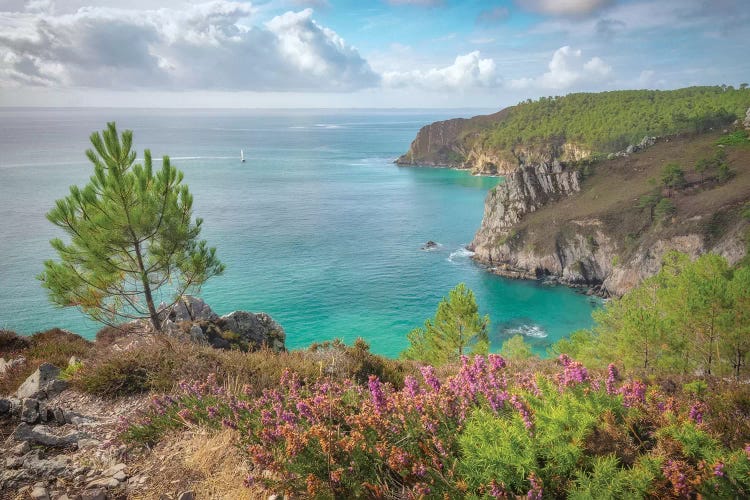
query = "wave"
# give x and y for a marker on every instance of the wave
(328, 125)
(460, 254)
(527, 330)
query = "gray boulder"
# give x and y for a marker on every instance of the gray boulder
(746, 123)
(30, 411)
(188, 308)
(43, 383)
(41, 434)
(5, 407)
(257, 330)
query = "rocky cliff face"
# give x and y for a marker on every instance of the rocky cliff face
(525, 189)
(455, 144)
(544, 222)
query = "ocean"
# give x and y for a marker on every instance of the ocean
(318, 228)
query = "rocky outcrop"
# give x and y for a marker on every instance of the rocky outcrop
(524, 191)
(43, 383)
(746, 122)
(192, 319)
(454, 144)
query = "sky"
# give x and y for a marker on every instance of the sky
(360, 54)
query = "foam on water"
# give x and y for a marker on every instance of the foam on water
(462, 254)
(530, 330)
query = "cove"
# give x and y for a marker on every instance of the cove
(318, 228)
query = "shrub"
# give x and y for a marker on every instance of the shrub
(11, 342)
(486, 431)
(516, 348)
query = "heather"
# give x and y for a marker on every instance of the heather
(488, 428)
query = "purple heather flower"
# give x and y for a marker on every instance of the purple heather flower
(696, 412)
(612, 375)
(537, 491)
(376, 394)
(212, 411)
(428, 373)
(719, 469)
(633, 393)
(411, 386)
(521, 407)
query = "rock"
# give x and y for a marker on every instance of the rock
(87, 443)
(40, 493)
(120, 476)
(746, 122)
(630, 149)
(59, 416)
(22, 448)
(186, 495)
(429, 245)
(256, 329)
(5, 407)
(40, 434)
(74, 361)
(197, 335)
(45, 467)
(7, 365)
(43, 383)
(188, 308)
(114, 470)
(94, 494)
(104, 482)
(13, 462)
(30, 411)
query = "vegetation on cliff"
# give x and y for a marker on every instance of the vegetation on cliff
(609, 121)
(574, 127)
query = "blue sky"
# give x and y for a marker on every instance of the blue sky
(389, 53)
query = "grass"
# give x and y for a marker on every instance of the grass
(157, 365)
(53, 346)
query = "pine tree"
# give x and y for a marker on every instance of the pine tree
(457, 329)
(131, 233)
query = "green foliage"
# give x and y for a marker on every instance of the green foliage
(457, 329)
(516, 348)
(665, 209)
(609, 121)
(672, 176)
(691, 316)
(649, 202)
(131, 232)
(724, 173)
(737, 138)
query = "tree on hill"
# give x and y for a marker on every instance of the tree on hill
(457, 329)
(131, 234)
(672, 177)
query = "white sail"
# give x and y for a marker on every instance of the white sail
(242, 156)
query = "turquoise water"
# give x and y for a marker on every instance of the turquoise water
(318, 228)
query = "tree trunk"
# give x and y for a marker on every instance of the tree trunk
(155, 323)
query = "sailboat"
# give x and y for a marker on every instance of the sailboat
(242, 156)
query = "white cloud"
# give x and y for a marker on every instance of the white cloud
(567, 69)
(564, 7)
(467, 71)
(203, 46)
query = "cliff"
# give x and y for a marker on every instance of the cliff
(587, 225)
(571, 128)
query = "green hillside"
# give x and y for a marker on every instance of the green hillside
(609, 121)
